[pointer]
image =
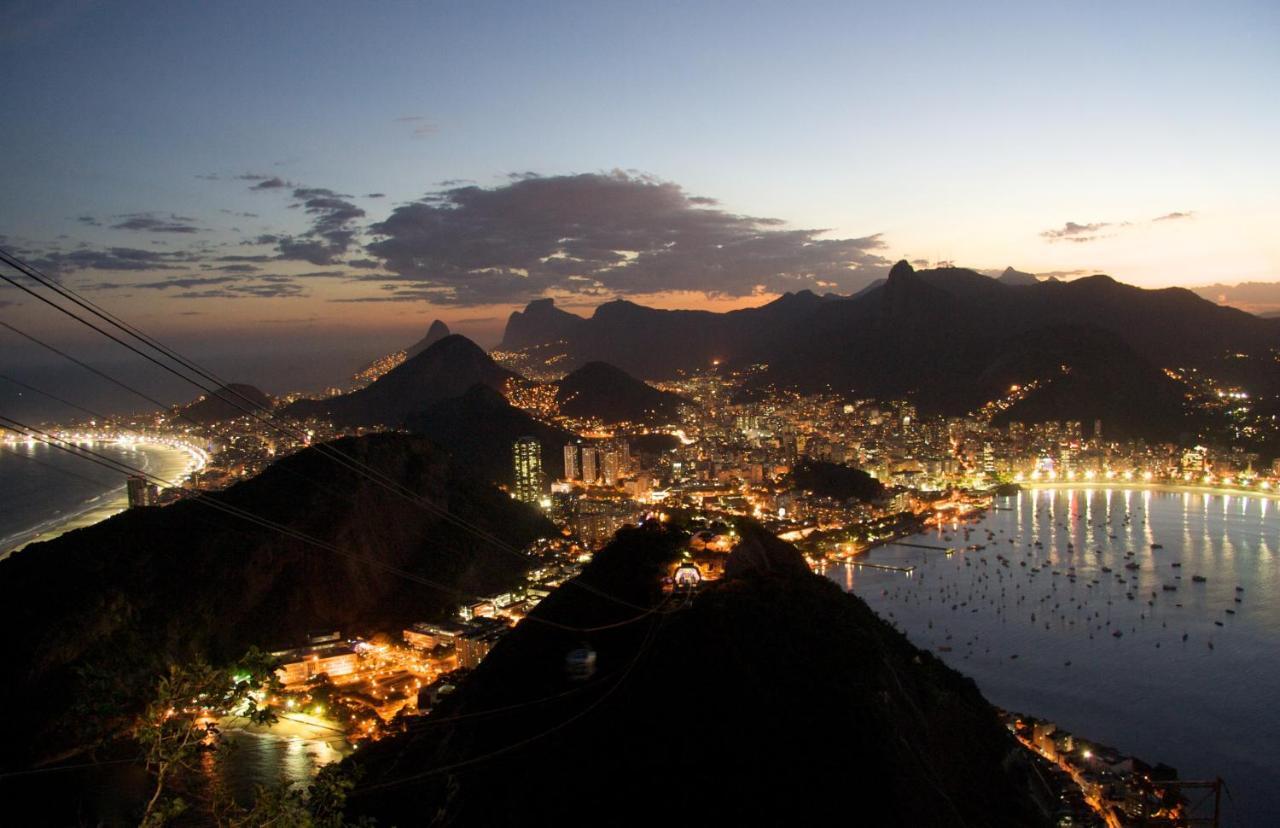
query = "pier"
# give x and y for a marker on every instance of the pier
(920, 546)
(906, 569)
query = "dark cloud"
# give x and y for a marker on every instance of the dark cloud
(154, 224)
(181, 283)
(331, 234)
(113, 258)
(602, 234)
(273, 290)
(89, 220)
(245, 258)
(1176, 215)
(1076, 232)
(364, 264)
(273, 183)
(238, 268)
(375, 195)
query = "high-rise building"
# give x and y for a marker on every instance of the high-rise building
(141, 492)
(572, 466)
(609, 465)
(589, 464)
(527, 456)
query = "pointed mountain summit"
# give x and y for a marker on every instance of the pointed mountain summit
(435, 333)
(900, 271)
(539, 323)
(446, 369)
(1016, 278)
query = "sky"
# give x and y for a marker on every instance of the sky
(307, 177)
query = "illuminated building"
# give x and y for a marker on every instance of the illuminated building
(300, 666)
(596, 520)
(141, 492)
(572, 466)
(589, 464)
(478, 639)
(425, 636)
(527, 456)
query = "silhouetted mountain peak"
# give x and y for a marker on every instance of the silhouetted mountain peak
(604, 391)
(453, 346)
(901, 270)
(225, 403)
(540, 322)
(446, 369)
(1017, 278)
(438, 331)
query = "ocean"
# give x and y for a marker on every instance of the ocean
(45, 491)
(1039, 643)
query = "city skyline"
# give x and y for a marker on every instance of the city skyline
(262, 180)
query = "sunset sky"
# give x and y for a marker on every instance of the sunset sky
(288, 171)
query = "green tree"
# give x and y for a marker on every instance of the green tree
(182, 719)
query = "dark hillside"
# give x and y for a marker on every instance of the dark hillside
(773, 698)
(127, 595)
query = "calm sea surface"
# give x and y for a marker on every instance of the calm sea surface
(1208, 705)
(45, 491)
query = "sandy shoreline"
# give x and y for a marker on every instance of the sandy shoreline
(160, 461)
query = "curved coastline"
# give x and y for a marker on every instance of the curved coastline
(165, 459)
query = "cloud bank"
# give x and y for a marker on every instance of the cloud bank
(602, 234)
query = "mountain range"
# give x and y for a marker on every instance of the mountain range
(950, 339)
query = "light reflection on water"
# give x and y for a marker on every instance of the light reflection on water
(265, 759)
(1205, 710)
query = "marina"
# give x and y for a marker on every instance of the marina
(1077, 610)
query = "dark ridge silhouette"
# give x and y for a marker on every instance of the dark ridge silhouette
(601, 390)
(1103, 379)
(836, 480)
(446, 369)
(951, 339)
(118, 600)
(772, 698)
(947, 338)
(479, 429)
(1016, 278)
(225, 403)
(541, 322)
(435, 333)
